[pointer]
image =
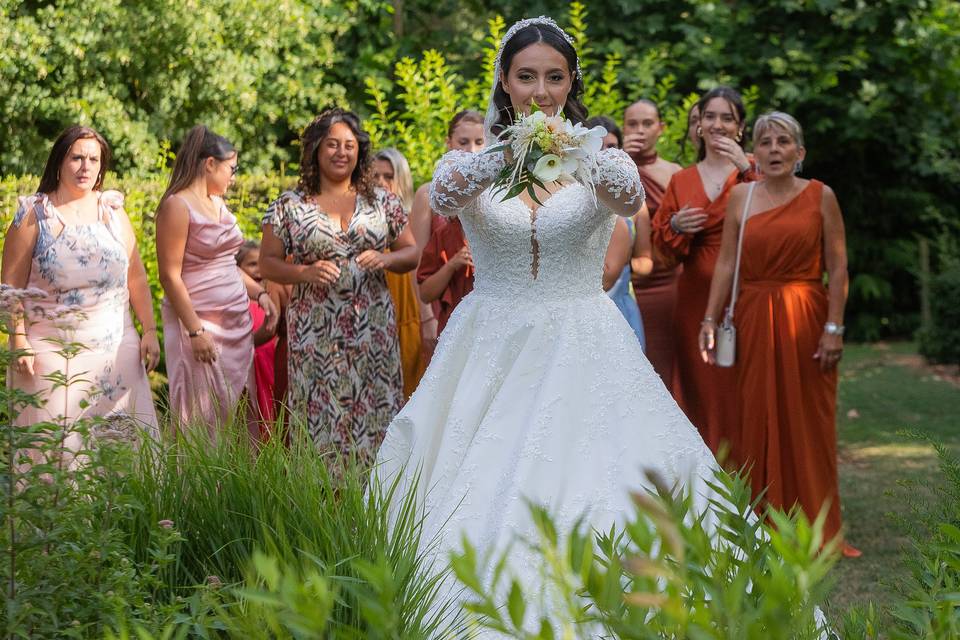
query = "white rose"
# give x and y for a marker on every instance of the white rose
(535, 117)
(548, 168)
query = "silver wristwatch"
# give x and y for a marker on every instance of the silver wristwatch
(834, 329)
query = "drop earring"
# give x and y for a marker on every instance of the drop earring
(699, 132)
(798, 167)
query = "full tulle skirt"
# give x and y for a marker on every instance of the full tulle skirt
(551, 402)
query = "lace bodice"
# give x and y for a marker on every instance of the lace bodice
(555, 252)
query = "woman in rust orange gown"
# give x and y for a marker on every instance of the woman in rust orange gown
(789, 326)
(687, 229)
(656, 292)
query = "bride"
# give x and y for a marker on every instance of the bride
(538, 390)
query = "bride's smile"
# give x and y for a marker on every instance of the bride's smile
(538, 74)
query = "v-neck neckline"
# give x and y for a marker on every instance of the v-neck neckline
(703, 184)
(338, 228)
(535, 211)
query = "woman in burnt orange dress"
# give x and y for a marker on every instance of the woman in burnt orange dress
(656, 292)
(789, 325)
(464, 132)
(687, 229)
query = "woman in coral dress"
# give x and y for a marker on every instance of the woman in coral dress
(464, 132)
(687, 229)
(789, 326)
(74, 243)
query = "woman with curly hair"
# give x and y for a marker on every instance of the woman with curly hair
(344, 358)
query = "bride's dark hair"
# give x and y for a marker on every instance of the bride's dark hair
(573, 109)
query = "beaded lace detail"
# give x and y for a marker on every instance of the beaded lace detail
(460, 177)
(538, 390)
(555, 250)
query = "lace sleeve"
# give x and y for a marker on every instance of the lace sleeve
(619, 187)
(460, 178)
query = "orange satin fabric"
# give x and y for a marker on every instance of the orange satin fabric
(707, 394)
(408, 328)
(656, 295)
(788, 405)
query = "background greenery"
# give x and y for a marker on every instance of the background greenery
(876, 85)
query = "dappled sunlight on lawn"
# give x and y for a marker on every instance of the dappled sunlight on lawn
(888, 405)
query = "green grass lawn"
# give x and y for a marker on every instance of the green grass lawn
(889, 391)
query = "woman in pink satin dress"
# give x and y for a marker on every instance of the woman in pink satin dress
(208, 331)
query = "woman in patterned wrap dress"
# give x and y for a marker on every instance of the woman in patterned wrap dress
(344, 359)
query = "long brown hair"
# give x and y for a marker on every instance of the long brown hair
(200, 144)
(50, 179)
(362, 177)
(736, 105)
(574, 109)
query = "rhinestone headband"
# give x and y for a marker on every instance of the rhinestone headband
(526, 22)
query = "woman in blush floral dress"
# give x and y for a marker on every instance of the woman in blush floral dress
(344, 359)
(74, 242)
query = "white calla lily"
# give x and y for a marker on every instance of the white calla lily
(548, 168)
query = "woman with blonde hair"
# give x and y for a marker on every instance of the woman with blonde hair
(392, 171)
(789, 325)
(207, 328)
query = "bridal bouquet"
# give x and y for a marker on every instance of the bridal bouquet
(547, 149)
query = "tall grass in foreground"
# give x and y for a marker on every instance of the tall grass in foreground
(283, 541)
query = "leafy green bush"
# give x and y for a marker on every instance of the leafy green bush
(941, 341)
(928, 607)
(665, 575)
(146, 72)
(66, 566)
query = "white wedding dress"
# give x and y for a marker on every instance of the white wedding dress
(538, 389)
